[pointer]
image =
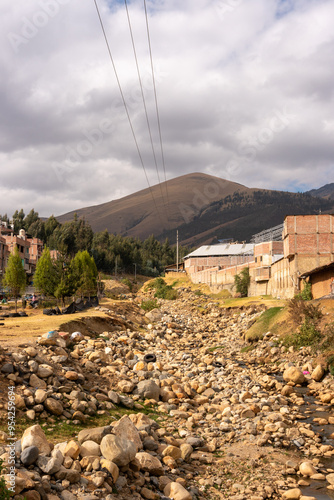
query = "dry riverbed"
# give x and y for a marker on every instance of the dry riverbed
(169, 404)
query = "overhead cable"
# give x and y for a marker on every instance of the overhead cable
(125, 106)
(143, 98)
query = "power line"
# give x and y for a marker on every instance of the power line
(143, 98)
(156, 104)
(126, 108)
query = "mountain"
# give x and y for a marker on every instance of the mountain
(202, 207)
(326, 191)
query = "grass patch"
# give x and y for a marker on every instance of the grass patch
(148, 305)
(264, 323)
(212, 349)
(63, 430)
(247, 348)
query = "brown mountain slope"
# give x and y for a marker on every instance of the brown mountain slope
(138, 216)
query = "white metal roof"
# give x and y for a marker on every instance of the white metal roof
(223, 249)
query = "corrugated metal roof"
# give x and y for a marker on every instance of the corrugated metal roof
(223, 249)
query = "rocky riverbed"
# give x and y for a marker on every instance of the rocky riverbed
(207, 415)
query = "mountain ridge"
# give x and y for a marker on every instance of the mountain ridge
(202, 207)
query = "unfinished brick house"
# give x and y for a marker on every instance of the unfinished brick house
(276, 267)
(308, 243)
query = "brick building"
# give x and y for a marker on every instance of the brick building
(221, 256)
(276, 267)
(30, 250)
(322, 281)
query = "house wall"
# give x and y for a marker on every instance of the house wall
(322, 283)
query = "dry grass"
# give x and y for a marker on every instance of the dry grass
(21, 330)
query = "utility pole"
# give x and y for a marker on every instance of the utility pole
(135, 270)
(177, 251)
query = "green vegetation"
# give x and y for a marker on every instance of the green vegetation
(15, 277)
(306, 293)
(264, 323)
(63, 277)
(242, 281)
(111, 252)
(307, 336)
(150, 304)
(162, 290)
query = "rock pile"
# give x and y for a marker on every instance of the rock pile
(235, 420)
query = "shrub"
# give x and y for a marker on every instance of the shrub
(150, 304)
(300, 310)
(307, 336)
(306, 293)
(162, 290)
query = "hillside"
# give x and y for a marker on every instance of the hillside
(138, 216)
(326, 191)
(202, 207)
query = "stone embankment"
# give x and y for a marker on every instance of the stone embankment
(224, 422)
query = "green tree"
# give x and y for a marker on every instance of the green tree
(242, 281)
(86, 273)
(67, 285)
(18, 220)
(47, 276)
(30, 219)
(15, 277)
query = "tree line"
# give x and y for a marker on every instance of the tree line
(112, 253)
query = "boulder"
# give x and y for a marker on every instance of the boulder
(177, 492)
(90, 448)
(307, 469)
(318, 373)
(53, 406)
(148, 389)
(294, 374)
(117, 449)
(44, 371)
(150, 464)
(29, 455)
(126, 429)
(95, 434)
(34, 436)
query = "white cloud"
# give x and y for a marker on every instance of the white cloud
(245, 92)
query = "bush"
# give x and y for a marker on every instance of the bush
(162, 290)
(306, 293)
(299, 310)
(148, 305)
(307, 336)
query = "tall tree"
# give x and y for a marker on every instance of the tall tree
(86, 272)
(15, 277)
(47, 276)
(18, 220)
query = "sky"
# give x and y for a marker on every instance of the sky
(244, 91)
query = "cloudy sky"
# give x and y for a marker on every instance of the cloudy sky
(244, 87)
